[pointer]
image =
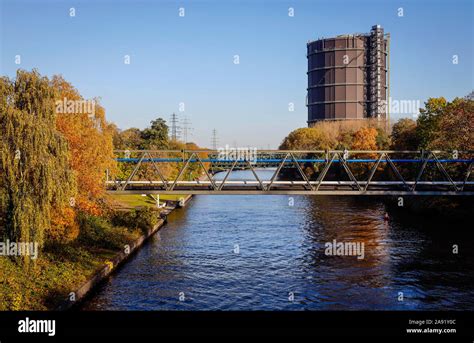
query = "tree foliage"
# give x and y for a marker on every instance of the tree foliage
(404, 135)
(35, 168)
(90, 141)
(155, 137)
(336, 135)
(442, 125)
(365, 139)
(428, 120)
(127, 139)
(307, 138)
(455, 127)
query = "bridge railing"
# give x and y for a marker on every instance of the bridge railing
(313, 171)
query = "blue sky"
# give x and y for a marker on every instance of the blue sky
(190, 59)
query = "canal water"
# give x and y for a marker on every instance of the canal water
(269, 253)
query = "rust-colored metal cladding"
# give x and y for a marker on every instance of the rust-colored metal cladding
(347, 77)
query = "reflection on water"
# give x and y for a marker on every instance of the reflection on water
(260, 253)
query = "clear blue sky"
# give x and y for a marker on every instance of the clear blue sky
(190, 59)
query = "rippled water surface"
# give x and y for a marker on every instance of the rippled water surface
(260, 253)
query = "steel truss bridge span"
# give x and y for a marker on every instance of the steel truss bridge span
(315, 172)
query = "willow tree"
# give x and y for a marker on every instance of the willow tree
(34, 168)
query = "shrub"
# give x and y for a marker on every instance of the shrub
(98, 232)
(142, 218)
(123, 218)
(145, 218)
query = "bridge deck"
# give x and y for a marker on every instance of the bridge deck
(295, 187)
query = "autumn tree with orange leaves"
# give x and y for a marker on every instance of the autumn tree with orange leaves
(90, 143)
(364, 139)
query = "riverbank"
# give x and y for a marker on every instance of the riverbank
(64, 274)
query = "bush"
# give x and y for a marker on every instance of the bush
(124, 218)
(142, 218)
(98, 232)
(145, 218)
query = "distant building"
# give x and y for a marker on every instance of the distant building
(348, 77)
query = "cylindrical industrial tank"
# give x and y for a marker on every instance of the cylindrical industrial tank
(337, 76)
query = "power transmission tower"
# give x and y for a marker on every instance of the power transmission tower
(186, 126)
(175, 129)
(214, 139)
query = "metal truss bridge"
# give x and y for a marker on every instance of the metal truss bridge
(333, 172)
